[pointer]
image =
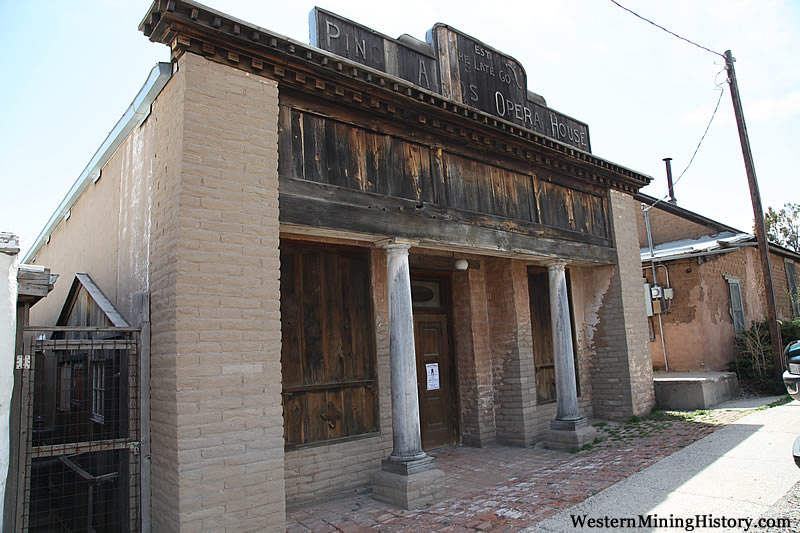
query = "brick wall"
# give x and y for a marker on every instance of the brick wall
(512, 351)
(622, 375)
(587, 284)
(666, 227)
(319, 471)
(473, 357)
(218, 462)
(168, 111)
(781, 286)
(518, 419)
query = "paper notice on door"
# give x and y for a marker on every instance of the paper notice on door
(432, 372)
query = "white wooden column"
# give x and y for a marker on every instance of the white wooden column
(406, 439)
(563, 352)
(569, 429)
(407, 478)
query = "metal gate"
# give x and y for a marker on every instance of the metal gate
(79, 438)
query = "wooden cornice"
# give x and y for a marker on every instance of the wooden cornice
(187, 26)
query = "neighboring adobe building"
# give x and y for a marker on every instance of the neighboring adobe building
(350, 259)
(714, 273)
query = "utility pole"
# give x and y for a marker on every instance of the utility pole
(758, 213)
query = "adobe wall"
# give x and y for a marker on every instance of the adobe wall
(698, 329)
(780, 285)
(497, 380)
(217, 435)
(622, 374)
(666, 227)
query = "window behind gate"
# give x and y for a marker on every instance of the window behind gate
(328, 349)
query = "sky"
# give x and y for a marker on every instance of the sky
(72, 68)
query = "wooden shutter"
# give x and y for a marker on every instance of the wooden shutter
(791, 282)
(737, 309)
(328, 354)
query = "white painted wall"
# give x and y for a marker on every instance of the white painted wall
(9, 263)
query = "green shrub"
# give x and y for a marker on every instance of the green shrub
(790, 331)
(754, 366)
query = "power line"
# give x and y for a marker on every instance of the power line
(716, 107)
(718, 85)
(665, 29)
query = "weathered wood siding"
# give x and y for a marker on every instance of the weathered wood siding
(322, 150)
(328, 353)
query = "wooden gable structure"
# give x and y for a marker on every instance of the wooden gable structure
(87, 306)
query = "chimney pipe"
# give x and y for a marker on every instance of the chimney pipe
(672, 200)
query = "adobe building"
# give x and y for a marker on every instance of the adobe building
(713, 273)
(353, 251)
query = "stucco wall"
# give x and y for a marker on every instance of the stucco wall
(107, 233)
(9, 247)
(698, 328)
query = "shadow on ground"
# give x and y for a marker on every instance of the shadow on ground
(503, 488)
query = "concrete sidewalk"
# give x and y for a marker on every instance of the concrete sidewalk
(737, 472)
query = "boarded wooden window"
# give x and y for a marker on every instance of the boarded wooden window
(544, 365)
(328, 349)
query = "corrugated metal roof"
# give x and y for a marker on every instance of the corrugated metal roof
(720, 243)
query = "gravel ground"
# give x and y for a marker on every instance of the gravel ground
(786, 507)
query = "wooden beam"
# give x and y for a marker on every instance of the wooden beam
(314, 204)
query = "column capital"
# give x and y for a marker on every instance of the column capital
(556, 265)
(396, 244)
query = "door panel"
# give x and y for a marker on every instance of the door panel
(435, 381)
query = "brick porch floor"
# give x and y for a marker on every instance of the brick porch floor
(502, 488)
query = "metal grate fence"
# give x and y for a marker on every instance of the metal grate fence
(79, 433)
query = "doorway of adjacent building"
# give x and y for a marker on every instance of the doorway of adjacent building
(436, 387)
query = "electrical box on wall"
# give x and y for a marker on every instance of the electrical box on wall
(655, 298)
(657, 307)
(657, 292)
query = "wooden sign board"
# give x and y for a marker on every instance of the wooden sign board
(455, 65)
(411, 60)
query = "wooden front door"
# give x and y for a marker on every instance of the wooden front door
(435, 383)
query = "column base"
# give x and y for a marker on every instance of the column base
(406, 468)
(410, 491)
(569, 434)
